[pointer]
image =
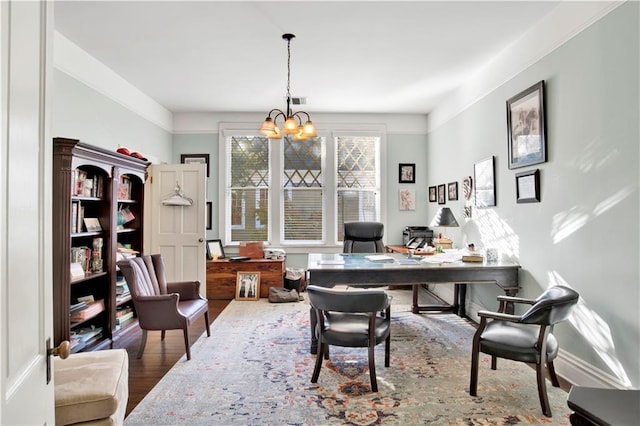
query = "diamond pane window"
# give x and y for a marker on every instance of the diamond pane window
(303, 193)
(358, 180)
(248, 188)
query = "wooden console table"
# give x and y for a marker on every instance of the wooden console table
(222, 273)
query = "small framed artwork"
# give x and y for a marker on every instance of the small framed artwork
(526, 135)
(467, 185)
(485, 183)
(208, 217)
(407, 199)
(433, 194)
(467, 212)
(528, 187)
(407, 173)
(92, 224)
(195, 159)
(442, 194)
(452, 190)
(215, 249)
(248, 286)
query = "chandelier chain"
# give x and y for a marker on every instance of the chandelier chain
(288, 71)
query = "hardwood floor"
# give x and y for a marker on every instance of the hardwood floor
(159, 356)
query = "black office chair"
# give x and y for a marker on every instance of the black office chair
(526, 338)
(363, 237)
(350, 319)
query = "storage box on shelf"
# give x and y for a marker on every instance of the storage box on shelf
(90, 222)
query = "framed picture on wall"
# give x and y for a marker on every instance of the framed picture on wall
(407, 173)
(407, 200)
(195, 159)
(528, 187)
(526, 135)
(452, 190)
(208, 216)
(485, 182)
(433, 194)
(442, 196)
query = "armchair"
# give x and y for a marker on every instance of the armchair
(527, 338)
(350, 319)
(162, 305)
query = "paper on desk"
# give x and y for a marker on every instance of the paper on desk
(446, 257)
(331, 262)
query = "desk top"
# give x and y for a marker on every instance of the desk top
(398, 261)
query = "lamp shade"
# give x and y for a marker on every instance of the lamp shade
(444, 217)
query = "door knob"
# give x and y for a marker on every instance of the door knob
(200, 240)
(62, 350)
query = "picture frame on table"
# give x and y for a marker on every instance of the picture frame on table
(485, 182)
(526, 128)
(195, 159)
(433, 194)
(406, 173)
(528, 187)
(452, 191)
(215, 249)
(248, 286)
(442, 196)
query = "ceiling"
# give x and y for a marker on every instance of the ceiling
(361, 56)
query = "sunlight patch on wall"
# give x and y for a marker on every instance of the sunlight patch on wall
(611, 201)
(595, 331)
(496, 233)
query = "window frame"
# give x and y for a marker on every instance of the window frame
(275, 233)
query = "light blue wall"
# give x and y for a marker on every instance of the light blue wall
(80, 112)
(584, 233)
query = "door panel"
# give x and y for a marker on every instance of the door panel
(25, 213)
(178, 232)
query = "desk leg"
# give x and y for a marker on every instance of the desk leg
(313, 321)
(414, 307)
(460, 299)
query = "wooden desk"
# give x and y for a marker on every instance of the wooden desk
(222, 274)
(328, 270)
(592, 406)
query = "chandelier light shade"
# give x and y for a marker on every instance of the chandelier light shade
(292, 124)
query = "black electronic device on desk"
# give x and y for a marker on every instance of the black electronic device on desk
(417, 237)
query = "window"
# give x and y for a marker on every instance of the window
(299, 193)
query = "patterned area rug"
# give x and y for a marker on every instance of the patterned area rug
(255, 369)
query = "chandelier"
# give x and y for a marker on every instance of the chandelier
(292, 120)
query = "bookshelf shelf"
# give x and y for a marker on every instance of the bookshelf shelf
(87, 184)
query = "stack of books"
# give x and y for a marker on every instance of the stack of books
(123, 316)
(82, 337)
(122, 290)
(90, 310)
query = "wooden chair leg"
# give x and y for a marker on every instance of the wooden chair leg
(552, 374)
(387, 351)
(372, 369)
(206, 323)
(473, 382)
(494, 362)
(143, 343)
(319, 357)
(542, 389)
(186, 343)
(162, 334)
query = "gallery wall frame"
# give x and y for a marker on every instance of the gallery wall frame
(485, 182)
(526, 127)
(195, 159)
(208, 219)
(406, 173)
(442, 194)
(452, 191)
(433, 194)
(528, 186)
(407, 199)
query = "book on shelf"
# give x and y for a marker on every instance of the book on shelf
(74, 217)
(77, 271)
(92, 309)
(379, 258)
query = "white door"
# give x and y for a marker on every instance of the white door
(177, 231)
(25, 213)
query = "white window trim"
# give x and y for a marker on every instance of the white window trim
(330, 132)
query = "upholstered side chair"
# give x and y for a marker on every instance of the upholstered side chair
(527, 338)
(351, 319)
(162, 305)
